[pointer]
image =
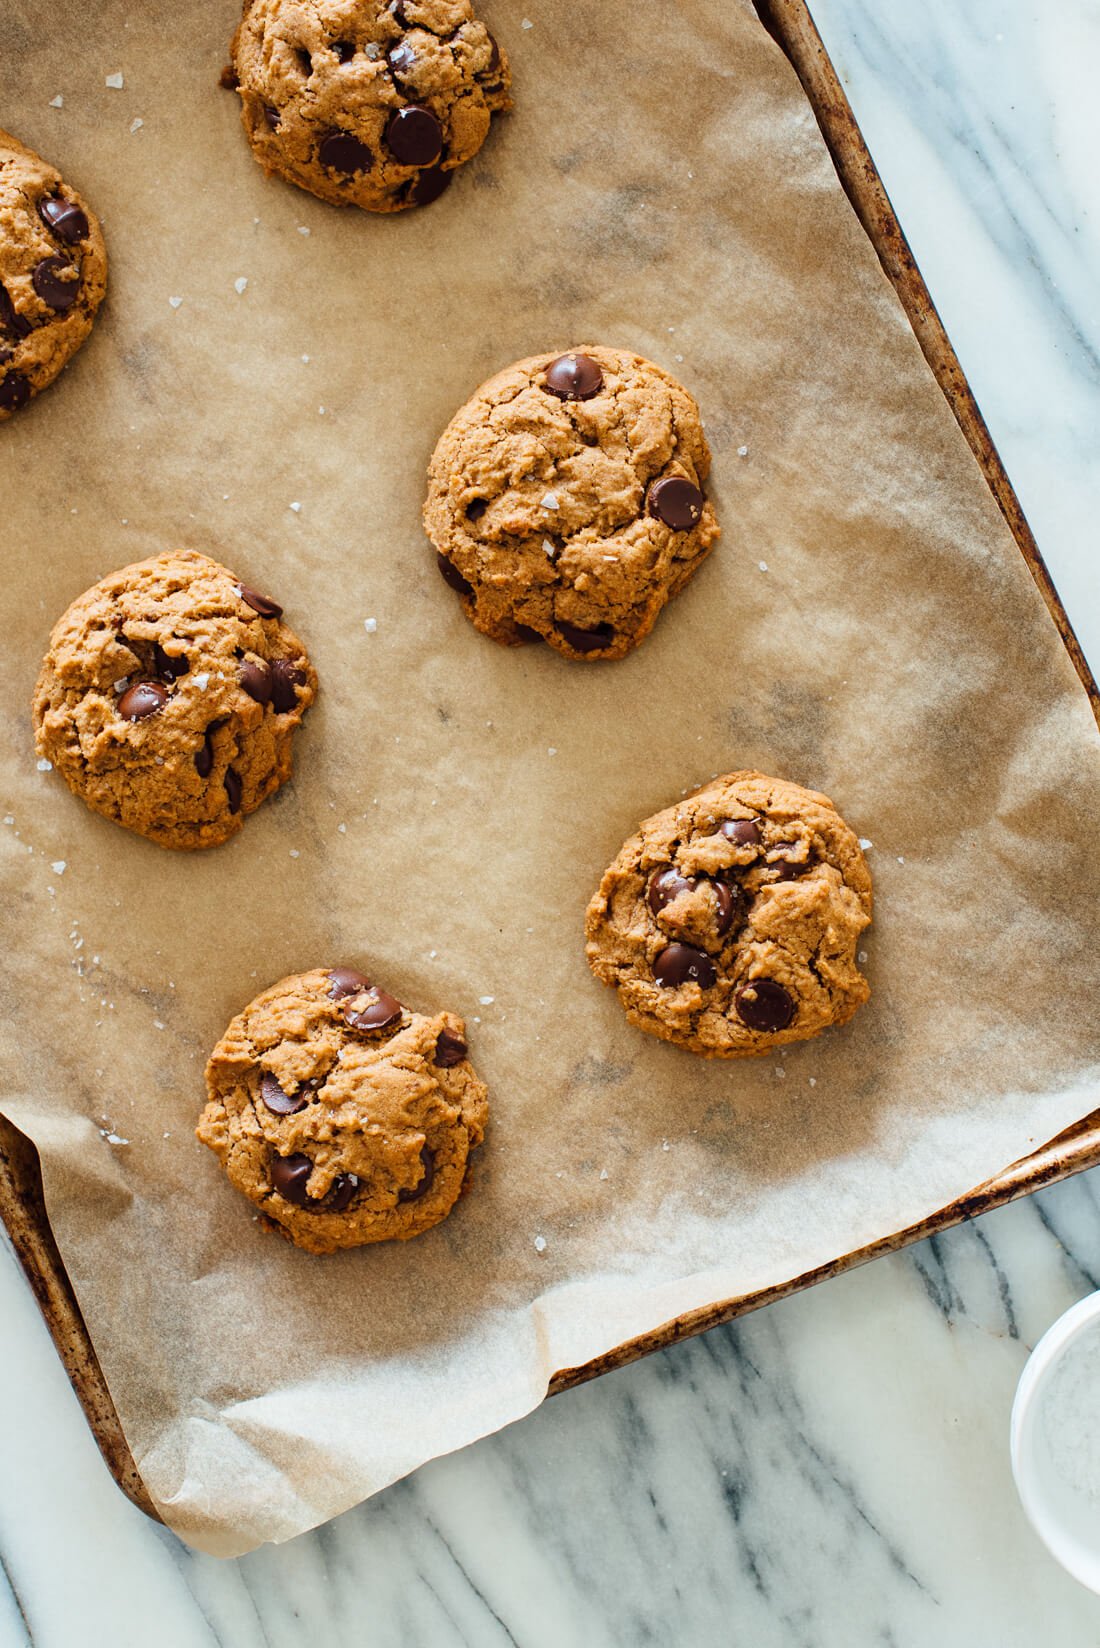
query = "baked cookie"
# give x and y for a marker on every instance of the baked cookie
(729, 924)
(345, 1117)
(565, 501)
(363, 103)
(169, 697)
(53, 273)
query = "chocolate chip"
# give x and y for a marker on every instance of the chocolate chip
(10, 318)
(427, 1160)
(414, 136)
(15, 392)
(743, 832)
(284, 678)
(169, 668)
(229, 79)
(428, 185)
(379, 1008)
(52, 289)
(345, 50)
(683, 964)
(64, 218)
(272, 116)
(476, 508)
(453, 577)
(6, 354)
(524, 633)
(787, 869)
(667, 884)
(676, 502)
(573, 378)
(449, 1050)
(400, 59)
(494, 56)
(204, 756)
(279, 1102)
(727, 904)
(234, 789)
(142, 699)
(255, 678)
(289, 1176)
(340, 1192)
(259, 603)
(764, 1005)
(585, 640)
(344, 152)
(345, 981)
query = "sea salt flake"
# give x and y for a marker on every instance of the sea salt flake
(8, 819)
(551, 750)
(306, 359)
(604, 1174)
(111, 1136)
(294, 853)
(202, 679)
(157, 1025)
(370, 625)
(296, 507)
(486, 1001)
(549, 500)
(174, 303)
(58, 866)
(549, 548)
(57, 102)
(664, 1144)
(527, 24)
(763, 566)
(43, 765)
(780, 1072)
(861, 957)
(303, 229)
(342, 829)
(136, 124)
(240, 283)
(900, 859)
(865, 844)
(540, 1244)
(742, 451)
(115, 81)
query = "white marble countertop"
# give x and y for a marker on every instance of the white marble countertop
(835, 1469)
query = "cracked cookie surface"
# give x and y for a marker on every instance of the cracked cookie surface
(343, 1116)
(169, 697)
(53, 273)
(565, 501)
(729, 924)
(363, 103)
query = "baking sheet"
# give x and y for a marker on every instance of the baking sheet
(894, 653)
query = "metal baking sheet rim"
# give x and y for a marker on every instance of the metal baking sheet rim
(22, 1205)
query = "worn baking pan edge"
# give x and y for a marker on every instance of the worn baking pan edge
(22, 1207)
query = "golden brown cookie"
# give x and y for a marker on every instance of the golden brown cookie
(343, 1116)
(565, 501)
(169, 698)
(365, 103)
(53, 273)
(729, 924)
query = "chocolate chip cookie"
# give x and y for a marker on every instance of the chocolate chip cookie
(364, 103)
(53, 274)
(565, 501)
(729, 923)
(343, 1116)
(169, 697)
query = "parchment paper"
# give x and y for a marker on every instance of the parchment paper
(866, 626)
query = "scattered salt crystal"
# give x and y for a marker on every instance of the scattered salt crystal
(861, 957)
(111, 1136)
(43, 765)
(527, 24)
(174, 303)
(549, 500)
(202, 679)
(115, 81)
(8, 819)
(664, 1144)
(157, 1025)
(58, 866)
(297, 508)
(813, 1081)
(549, 548)
(540, 1244)
(486, 1001)
(604, 1174)
(306, 359)
(900, 859)
(342, 829)
(136, 124)
(294, 853)
(57, 102)
(865, 844)
(303, 229)
(763, 566)
(679, 357)
(432, 954)
(742, 451)
(370, 625)
(551, 750)
(780, 1072)
(240, 283)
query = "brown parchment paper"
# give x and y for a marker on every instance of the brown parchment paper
(866, 626)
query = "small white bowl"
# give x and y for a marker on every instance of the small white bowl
(1066, 1520)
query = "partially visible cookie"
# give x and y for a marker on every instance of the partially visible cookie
(343, 1116)
(566, 504)
(730, 923)
(365, 103)
(53, 273)
(169, 698)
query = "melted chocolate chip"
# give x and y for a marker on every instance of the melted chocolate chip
(427, 1160)
(494, 56)
(476, 508)
(727, 904)
(449, 1050)
(573, 378)
(255, 678)
(345, 981)
(167, 666)
(400, 59)
(743, 832)
(345, 50)
(64, 218)
(429, 184)
(142, 699)
(279, 1102)
(764, 1005)
(289, 1176)
(414, 136)
(46, 278)
(15, 392)
(344, 152)
(229, 79)
(377, 1009)
(204, 756)
(340, 1192)
(525, 634)
(272, 116)
(452, 577)
(684, 964)
(284, 678)
(259, 603)
(585, 640)
(234, 789)
(667, 884)
(676, 502)
(10, 318)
